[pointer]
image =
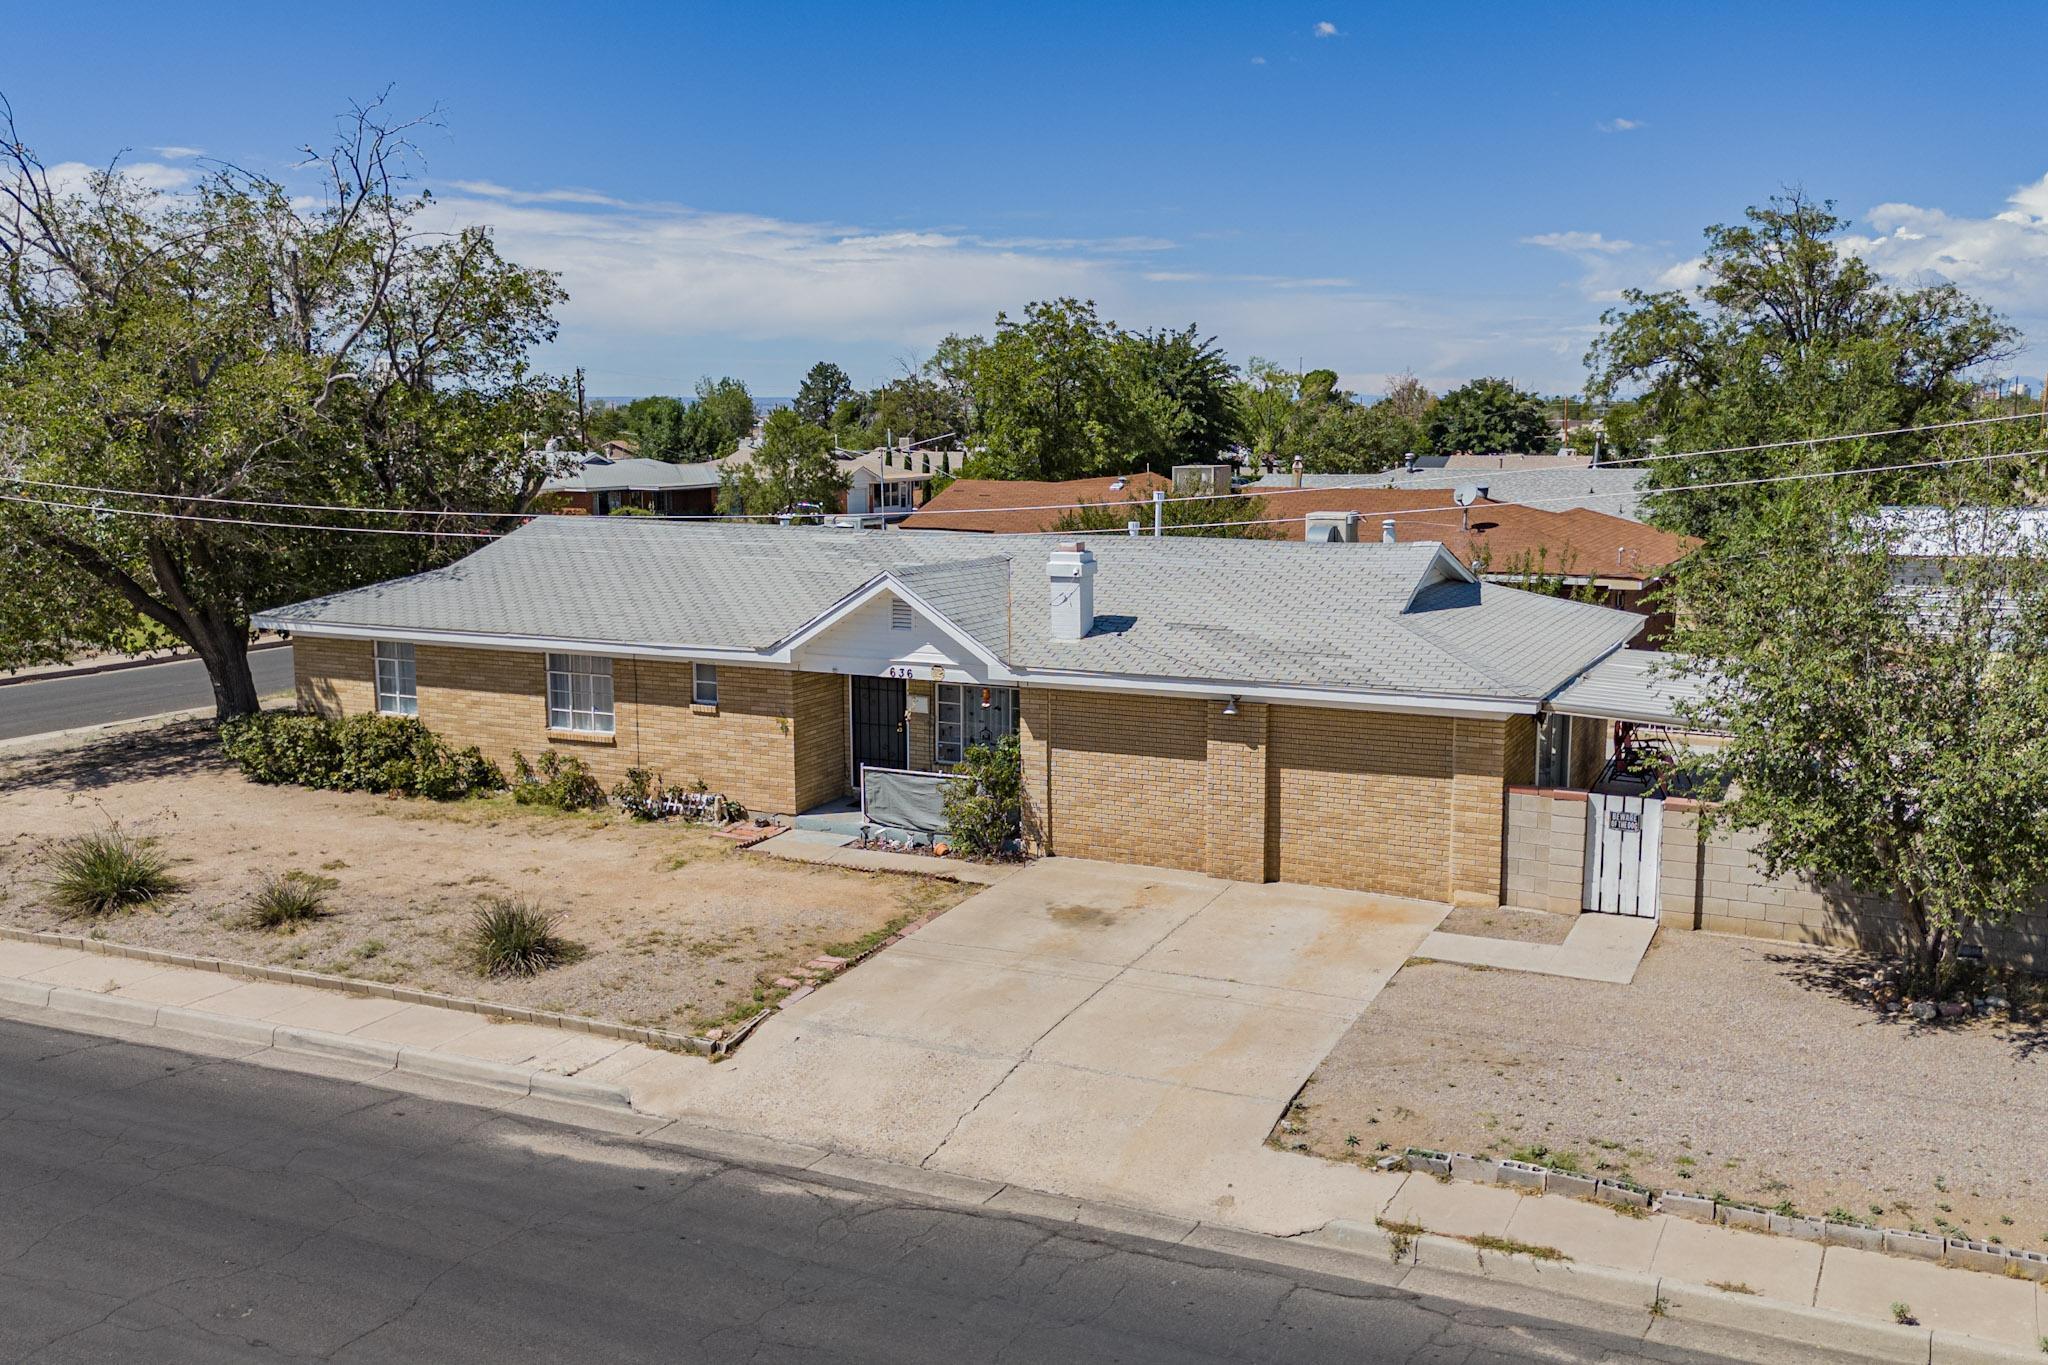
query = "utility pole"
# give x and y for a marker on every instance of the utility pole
(582, 413)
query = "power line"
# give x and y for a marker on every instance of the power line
(242, 521)
(1820, 440)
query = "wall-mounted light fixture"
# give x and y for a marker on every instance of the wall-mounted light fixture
(987, 697)
(1230, 707)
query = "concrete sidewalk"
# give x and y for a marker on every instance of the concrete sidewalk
(1599, 948)
(1195, 1180)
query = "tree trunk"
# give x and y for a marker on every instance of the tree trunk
(224, 648)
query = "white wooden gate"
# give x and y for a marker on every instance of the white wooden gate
(1623, 835)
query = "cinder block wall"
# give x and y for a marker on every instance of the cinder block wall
(776, 741)
(1717, 885)
(1406, 805)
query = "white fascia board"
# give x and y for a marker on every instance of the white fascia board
(534, 644)
(785, 648)
(1413, 703)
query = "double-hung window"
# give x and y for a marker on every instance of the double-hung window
(580, 693)
(971, 715)
(398, 692)
(704, 684)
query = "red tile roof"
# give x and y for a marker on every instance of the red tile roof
(1013, 505)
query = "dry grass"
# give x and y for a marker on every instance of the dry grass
(678, 927)
(1730, 1067)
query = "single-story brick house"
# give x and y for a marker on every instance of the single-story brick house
(1343, 715)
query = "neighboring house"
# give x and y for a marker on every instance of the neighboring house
(1013, 505)
(1609, 559)
(1922, 538)
(603, 486)
(1258, 710)
(1614, 489)
(880, 482)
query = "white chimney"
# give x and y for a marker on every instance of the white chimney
(1387, 531)
(1072, 571)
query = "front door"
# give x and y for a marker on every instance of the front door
(879, 740)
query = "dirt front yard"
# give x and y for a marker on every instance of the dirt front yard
(1730, 1067)
(678, 927)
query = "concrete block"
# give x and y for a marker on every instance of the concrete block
(1569, 1185)
(1742, 1216)
(1521, 1173)
(93, 1005)
(2032, 1264)
(1607, 1192)
(1924, 1245)
(1977, 1256)
(340, 1046)
(1855, 1235)
(1687, 1205)
(1805, 1229)
(1429, 1163)
(1475, 1168)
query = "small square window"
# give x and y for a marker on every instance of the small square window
(398, 692)
(704, 684)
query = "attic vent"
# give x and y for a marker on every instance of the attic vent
(899, 616)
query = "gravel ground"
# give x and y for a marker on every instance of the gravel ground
(1729, 1066)
(677, 925)
(1523, 926)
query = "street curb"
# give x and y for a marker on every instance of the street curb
(1344, 1248)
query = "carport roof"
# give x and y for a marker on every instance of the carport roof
(1366, 620)
(1647, 686)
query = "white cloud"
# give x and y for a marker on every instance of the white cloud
(179, 153)
(1325, 29)
(1576, 243)
(72, 175)
(1619, 125)
(2001, 258)
(1258, 61)
(490, 190)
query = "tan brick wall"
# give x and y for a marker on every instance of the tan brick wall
(1518, 751)
(1127, 780)
(334, 677)
(1237, 769)
(921, 733)
(1478, 819)
(819, 708)
(746, 747)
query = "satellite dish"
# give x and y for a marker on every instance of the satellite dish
(1467, 495)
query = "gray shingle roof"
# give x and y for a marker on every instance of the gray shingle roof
(1365, 618)
(1615, 490)
(621, 475)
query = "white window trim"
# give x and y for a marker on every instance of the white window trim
(894, 495)
(579, 694)
(394, 661)
(948, 753)
(698, 679)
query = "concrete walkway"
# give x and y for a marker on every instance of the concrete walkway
(1598, 948)
(832, 849)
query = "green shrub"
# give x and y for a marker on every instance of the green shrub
(558, 782)
(361, 753)
(99, 873)
(985, 799)
(640, 795)
(514, 937)
(288, 900)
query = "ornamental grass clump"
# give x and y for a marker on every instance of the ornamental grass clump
(105, 871)
(287, 900)
(509, 936)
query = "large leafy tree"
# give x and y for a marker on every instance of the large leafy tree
(1179, 386)
(825, 387)
(1883, 738)
(1489, 417)
(659, 427)
(792, 471)
(1285, 416)
(1788, 336)
(248, 340)
(1045, 398)
(721, 417)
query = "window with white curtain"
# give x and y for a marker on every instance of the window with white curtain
(398, 691)
(970, 715)
(580, 693)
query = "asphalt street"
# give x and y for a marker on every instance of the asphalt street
(68, 703)
(165, 1207)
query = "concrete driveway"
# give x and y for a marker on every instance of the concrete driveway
(1105, 1031)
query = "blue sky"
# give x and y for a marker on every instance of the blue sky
(1451, 189)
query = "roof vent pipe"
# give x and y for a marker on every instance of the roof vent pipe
(1387, 531)
(1071, 570)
